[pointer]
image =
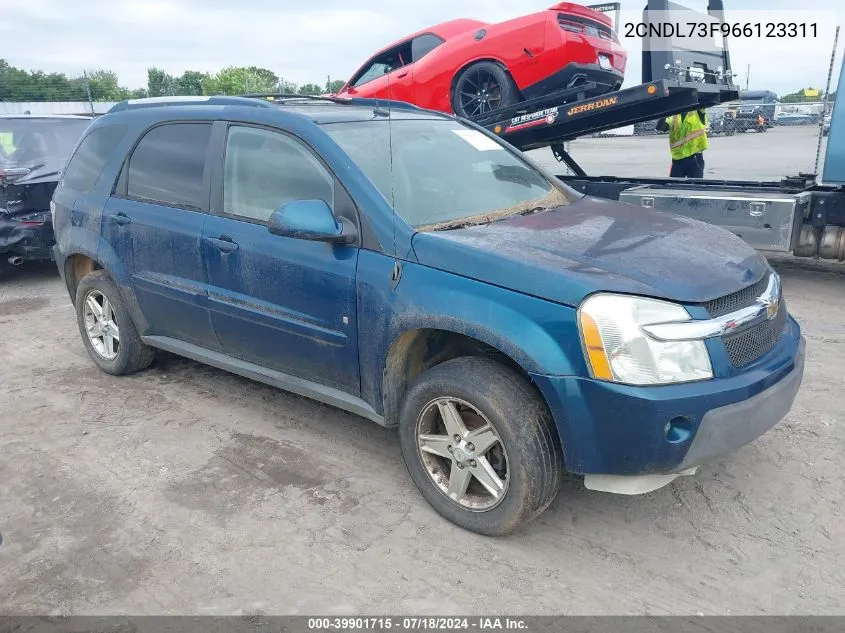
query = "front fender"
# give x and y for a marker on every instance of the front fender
(540, 336)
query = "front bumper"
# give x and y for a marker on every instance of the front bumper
(607, 429)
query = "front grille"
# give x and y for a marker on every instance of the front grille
(747, 346)
(736, 301)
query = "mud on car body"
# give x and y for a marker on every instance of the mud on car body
(33, 151)
(411, 268)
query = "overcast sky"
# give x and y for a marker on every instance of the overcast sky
(305, 41)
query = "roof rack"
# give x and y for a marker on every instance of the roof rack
(218, 100)
(281, 98)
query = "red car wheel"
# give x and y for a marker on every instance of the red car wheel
(482, 88)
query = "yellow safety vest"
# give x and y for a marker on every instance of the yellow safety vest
(687, 135)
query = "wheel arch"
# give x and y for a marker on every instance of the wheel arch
(77, 265)
(486, 58)
(415, 350)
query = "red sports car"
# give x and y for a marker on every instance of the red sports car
(472, 68)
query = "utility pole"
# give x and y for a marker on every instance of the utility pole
(88, 90)
(747, 75)
(824, 105)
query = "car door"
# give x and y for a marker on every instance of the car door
(402, 82)
(283, 303)
(156, 213)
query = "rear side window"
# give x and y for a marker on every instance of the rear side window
(84, 168)
(423, 45)
(167, 165)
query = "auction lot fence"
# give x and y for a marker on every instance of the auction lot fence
(740, 148)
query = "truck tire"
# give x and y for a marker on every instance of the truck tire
(480, 444)
(107, 329)
(482, 88)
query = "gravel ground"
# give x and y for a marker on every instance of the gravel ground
(187, 490)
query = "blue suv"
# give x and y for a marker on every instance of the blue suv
(411, 268)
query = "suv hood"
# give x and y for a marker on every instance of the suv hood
(567, 253)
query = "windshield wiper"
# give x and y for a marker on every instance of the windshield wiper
(532, 210)
(488, 219)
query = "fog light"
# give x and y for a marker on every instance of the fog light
(678, 430)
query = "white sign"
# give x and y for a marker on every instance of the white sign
(478, 140)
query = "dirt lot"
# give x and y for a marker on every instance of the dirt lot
(185, 489)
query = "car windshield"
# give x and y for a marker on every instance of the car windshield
(29, 142)
(443, 174)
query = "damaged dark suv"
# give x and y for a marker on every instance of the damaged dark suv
(33, 152)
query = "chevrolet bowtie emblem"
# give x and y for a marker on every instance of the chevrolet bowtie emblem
(770, 299)
(771, 305)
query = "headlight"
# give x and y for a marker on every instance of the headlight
(617, 348)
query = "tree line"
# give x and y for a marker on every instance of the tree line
(17, 84)
(801, 97)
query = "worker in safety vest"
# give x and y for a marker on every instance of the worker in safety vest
(687, 142)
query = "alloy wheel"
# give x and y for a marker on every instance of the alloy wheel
(101, 325)
(479, 93)
(462, 454)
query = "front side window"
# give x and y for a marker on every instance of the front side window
(263, 170)
(167, 165)
(442, 173)
(375, 71)
(385, 62)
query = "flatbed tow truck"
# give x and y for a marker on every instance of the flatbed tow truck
(798, 214)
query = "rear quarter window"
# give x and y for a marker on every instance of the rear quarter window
(84, 168)
(423, 45)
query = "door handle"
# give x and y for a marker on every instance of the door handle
(120, 218)
(402, 75)
(223, 243)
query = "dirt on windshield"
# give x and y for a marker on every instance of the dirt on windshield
(555, 198)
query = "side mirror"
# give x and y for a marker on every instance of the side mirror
(310, 220)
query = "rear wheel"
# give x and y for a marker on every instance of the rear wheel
(107, 329)
(480, 445)
(482, 88)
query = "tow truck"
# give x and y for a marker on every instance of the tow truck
(799, 214)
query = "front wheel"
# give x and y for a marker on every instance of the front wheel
(481, 89)
(480, 445)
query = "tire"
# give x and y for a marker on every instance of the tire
(130, 354)
(526, 436)
(474, 78)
